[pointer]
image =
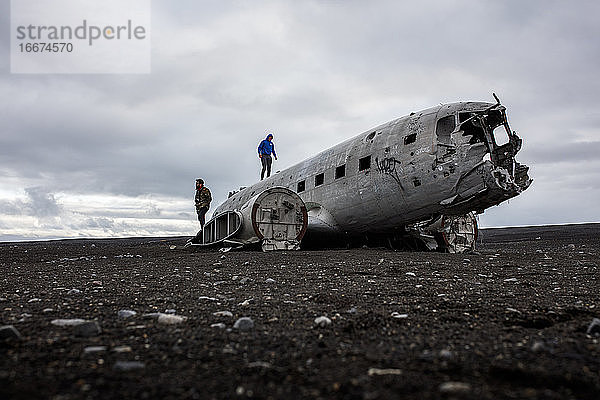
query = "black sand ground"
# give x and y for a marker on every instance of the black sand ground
(507, 322)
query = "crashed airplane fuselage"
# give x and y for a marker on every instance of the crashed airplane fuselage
(420, 176)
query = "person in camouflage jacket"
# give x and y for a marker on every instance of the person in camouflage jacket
(202, 201)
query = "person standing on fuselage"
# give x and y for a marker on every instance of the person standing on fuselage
(265, 149)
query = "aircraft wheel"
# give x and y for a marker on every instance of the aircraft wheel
(459, 233)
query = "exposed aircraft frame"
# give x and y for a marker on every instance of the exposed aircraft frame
(422, 176)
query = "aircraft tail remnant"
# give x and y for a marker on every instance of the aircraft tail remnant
(414, 182)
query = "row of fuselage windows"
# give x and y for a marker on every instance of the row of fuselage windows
(340, 172)
(363, 164)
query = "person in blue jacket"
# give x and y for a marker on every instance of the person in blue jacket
(265, 148)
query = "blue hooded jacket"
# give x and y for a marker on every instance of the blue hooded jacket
(266, 147)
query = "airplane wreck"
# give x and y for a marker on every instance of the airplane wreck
(415, 182)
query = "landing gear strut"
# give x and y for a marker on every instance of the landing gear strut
(458, 234)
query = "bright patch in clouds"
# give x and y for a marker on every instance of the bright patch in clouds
(43, 215)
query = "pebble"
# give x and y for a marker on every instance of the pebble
(87, 329)
(223, 314)
(73, 291)
(396, 314)
(510, 280)
(386, 371)
(244, 324)
(594, 327)
(352, 310)
(170, 311)
(243, 281)
(426, 355)
(411, 274)
(207, 298)
(34, 300)
(126, 313)
(219, 325)
(538, 346)
(151, 315)
(259, 364)
(94, 349)
(446, 354)
(246, 302)
(122, 349)
(322, 321)
(455, 387)
(269, 280)
(67, 322)
(47, 310)
(9, 332)
(128, 365)
(169, 319)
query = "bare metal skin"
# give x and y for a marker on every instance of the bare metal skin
(423, 174)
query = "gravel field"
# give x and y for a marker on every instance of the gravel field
(144, 318)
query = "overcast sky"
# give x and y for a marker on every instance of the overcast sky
(103, 155)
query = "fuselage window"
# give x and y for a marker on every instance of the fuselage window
(301, 186)
(364, 163)
(319, 179)
(410, 138)
(445, 126)
(340, 171)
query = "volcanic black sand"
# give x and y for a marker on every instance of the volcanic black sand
(513, 320)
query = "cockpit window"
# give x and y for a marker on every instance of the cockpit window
(495, 121)
(500, 136)
(472, 124)
(471, 127)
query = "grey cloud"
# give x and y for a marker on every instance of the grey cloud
(42, 202)
(39, 203)
(574, 152)
(5, 32)
(98, 222)
(12, 207)
(153, 210)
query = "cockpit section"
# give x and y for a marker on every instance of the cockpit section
(491, 128)
(478, 134)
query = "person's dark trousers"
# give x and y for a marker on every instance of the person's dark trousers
(266, 162)
(201, 213)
